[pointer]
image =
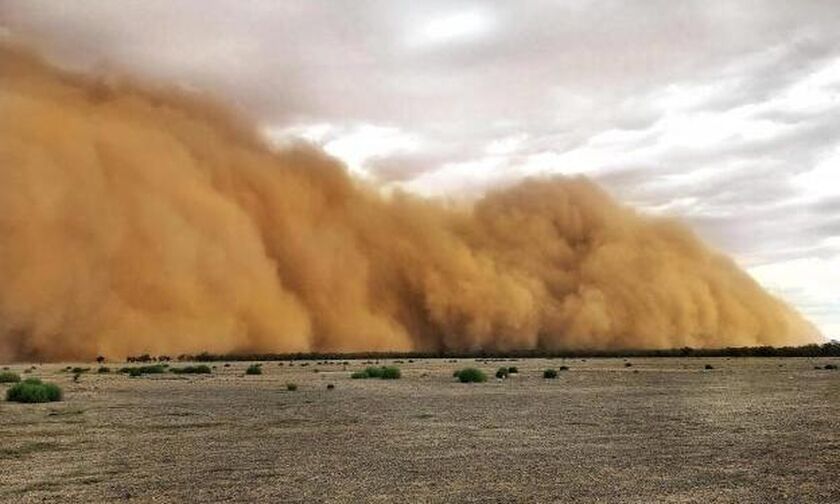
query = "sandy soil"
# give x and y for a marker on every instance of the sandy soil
(663, 430)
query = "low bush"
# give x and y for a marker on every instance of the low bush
(513, 370)
(80, 370)
(330, 386)
(708, 366)
(200, 369)
(550, 374)
(830, 366)
(381, 372)
(628, 364)
(391, 373)
(471, 375)
(502, 373)
(103, 369)
(136, 371)
(291, 387)
(9, 377)
(32, 390)
(563, 368)
(254, 369)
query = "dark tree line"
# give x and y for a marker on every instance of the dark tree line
(830, 349)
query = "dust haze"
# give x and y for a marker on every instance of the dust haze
(142, 220)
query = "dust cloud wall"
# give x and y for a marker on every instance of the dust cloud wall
(141, 220)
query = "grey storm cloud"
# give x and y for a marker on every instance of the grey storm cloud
(726, 113)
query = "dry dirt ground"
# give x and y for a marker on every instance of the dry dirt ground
(663, 430)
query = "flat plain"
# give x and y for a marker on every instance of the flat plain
(658, 430)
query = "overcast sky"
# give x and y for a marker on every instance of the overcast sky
(724, 113)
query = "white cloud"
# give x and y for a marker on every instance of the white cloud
(812, 282)
(355, 145)
(452, 27)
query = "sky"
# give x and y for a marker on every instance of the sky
(725, 114)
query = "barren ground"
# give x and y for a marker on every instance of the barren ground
(663, 430)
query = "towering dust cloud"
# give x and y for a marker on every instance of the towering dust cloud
(140, 221)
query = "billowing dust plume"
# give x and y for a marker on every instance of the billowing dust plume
(142, 221)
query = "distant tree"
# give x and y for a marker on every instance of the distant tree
(100, 359)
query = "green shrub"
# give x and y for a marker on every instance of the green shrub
(291, 387)
(373, 372)
(550, 374)
(80, 370)
(103, 369)
(471, 375)
(563, 368)
(200, 369)
(136, 371)
(32, 390)
(383, 372)
(513, 370)
(502, 373)
(391, 373)
(254, 369)
(708, 366)
(830, 366)
(9, 377)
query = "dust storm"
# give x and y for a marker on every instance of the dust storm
(139, 219)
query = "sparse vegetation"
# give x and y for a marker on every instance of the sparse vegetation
(200, 369)
(708, 366)
(291, 387)
(103, 370)
(563, 368)
(33, 390)
(9, 377)
(136, 371)
(502, 373)
(513, 370)
(100, 359)
(628, 364)
(330, 386)
(80, 370)
(550, 374)
(471, 375)
(381, 372)
(254, 369)
(830, 366)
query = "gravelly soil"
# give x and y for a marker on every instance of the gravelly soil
(663, 430)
